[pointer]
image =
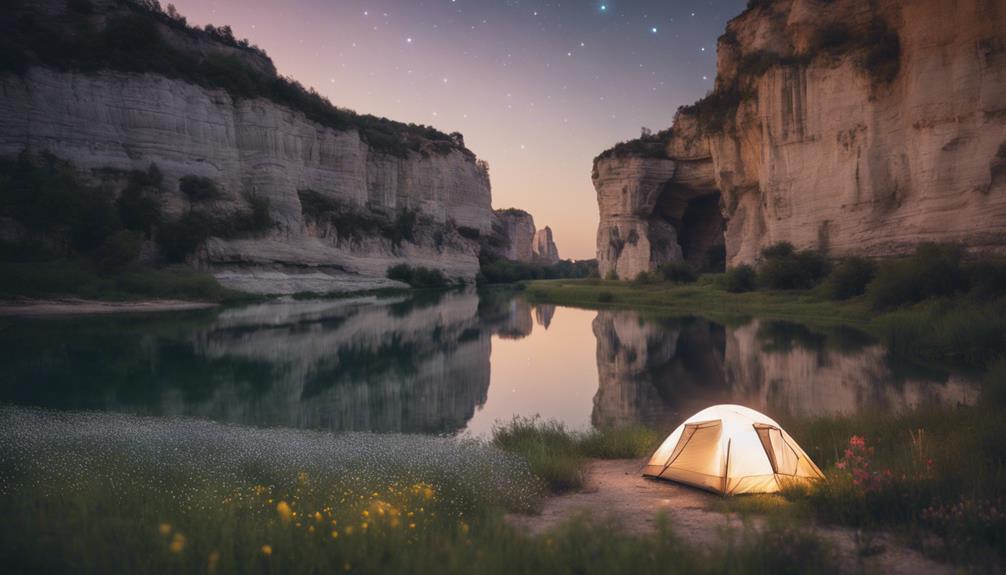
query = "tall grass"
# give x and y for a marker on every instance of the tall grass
(112, 494)
(559, 455)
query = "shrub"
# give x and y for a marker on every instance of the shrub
(784, 268)
(469, 233)
(739, 279)
(679, 272)
(934, 270)
(987, 278)
(645, 277)
(605, 297)
(137, 210)
(198, 189)
(259, 219)
(849, 278)
(180, 239)
(611, 276)
(418, 277)
(119, 250)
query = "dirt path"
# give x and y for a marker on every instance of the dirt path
(73, 307)
(616, 490)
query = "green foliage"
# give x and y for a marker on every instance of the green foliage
(138, 210)
(646, 146)
(418, 277)
(119, 250)
(717, 109)
(45, 195)
(678, 272)
(924, 470)
(503, 271)
(549, 448)
(782, 267)
(605, 297)
(611, 276)
(180, 239)
(469, 233)
(849, 278)
(740, 279)
(259, 219)
(83, 278)
(199, 189)
(558, 455)
(357, 223)
(934, 270)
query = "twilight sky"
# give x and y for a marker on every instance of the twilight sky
(538, 88)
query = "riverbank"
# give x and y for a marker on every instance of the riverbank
(965, 331)
(616, 492)
(77, 307)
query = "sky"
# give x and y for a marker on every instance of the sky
(538, 88)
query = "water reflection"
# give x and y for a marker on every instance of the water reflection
(443, 363)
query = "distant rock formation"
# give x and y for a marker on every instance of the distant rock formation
(856, 127)
(543, 246)
(519, 229)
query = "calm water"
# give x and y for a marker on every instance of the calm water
(449, 363)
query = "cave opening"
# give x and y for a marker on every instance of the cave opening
(698, 223)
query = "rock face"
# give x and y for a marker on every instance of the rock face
(519, 230)
(855, 127)
(110, 121)
(544, 247)
(525, 243)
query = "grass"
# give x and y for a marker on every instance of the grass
(81, 278)
(114, 494)
(558, 456)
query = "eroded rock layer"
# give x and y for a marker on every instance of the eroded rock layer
(114, 122)
(857, 127)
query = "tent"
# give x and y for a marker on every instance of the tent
(730, 449)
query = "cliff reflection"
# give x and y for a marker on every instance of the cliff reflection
(656, 371)
(405, 365)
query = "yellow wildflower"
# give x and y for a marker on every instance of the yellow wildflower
(428, 493)
(283, 508)
(164, 528)
(412, 525)
(177, 543)
(317, 516)
(335, 534)
(349, 530)
(211, 562)
(364, 525)
(267, 550)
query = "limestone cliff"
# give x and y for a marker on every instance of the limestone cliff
(519, 230)
(251, 141)
(857, 127)
(544, 247)
(524, 242)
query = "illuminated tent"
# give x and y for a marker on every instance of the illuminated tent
(730, 449)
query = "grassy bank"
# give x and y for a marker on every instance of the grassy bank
(934, 476)
(82, 279)
(114, 494)
(962, 332)
(558, 456)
